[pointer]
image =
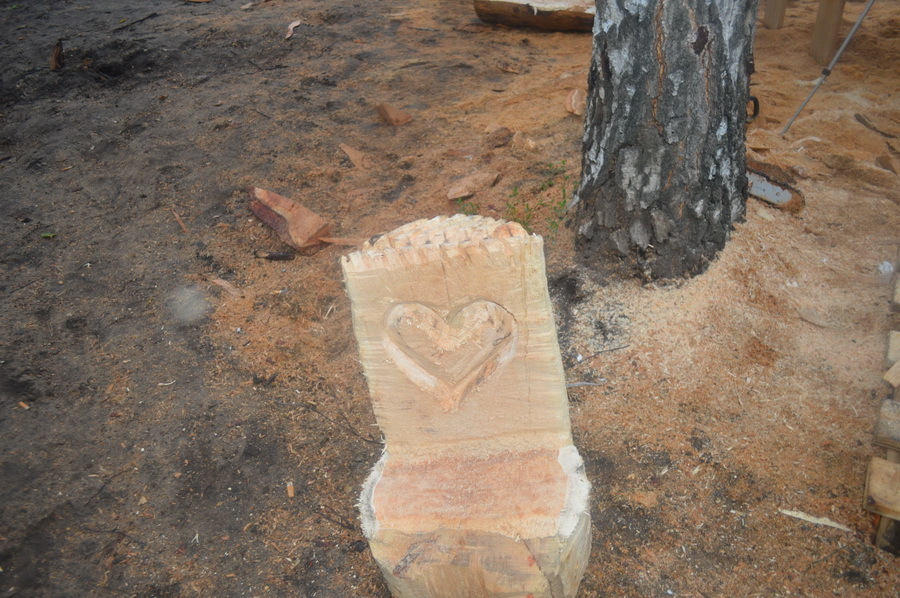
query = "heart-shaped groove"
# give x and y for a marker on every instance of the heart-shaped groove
(450, 356)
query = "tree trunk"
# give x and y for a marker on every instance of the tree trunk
(663, 171)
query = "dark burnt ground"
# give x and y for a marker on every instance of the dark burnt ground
(147, 463)
(151, 459)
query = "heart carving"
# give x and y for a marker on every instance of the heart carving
(448, 356)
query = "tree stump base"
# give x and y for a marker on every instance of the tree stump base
(432, 526)
(480, 491)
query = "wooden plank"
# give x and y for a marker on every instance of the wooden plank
(887, 427)
(892, 376)
(883, 488)
(480, 491)
(825, 31)
(893, 348)
(773, 18)
(549, 15)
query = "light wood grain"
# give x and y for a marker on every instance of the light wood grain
(883, 488)
(480, 491)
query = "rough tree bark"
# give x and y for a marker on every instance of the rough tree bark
(663, 171)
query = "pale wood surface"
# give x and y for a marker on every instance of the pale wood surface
(892, 376)
(825, 31)
(887, 428)
(480, 491)
(883, 488)
(435, 295)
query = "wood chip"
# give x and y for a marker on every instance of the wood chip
(883, 488)
(472, 184)
(358, 158)
(295, 225)
(813, 519)
(180, 222)
(892, 376)
(291, 28)
(226, 286)
(392, 116)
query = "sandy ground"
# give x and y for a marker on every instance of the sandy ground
(152, 417)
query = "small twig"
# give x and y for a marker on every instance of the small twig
(580, 384)
(108, 480)
(338, 519)
(141, 20)
(598, 353)
(861, 119)
(180, 222)
(348, 426)
(827, 556)
(27, 284)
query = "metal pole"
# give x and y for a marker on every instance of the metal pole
(827, 70)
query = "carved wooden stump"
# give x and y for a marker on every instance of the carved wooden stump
(480, 491)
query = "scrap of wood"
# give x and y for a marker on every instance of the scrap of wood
(56, 58)
(576, 101)
(883, 488)
(813, 519)
(781, 178)
(296, 225)
(180, 222)
(358, 158)
(472, 184)
(291, 28)
(893, 348)
(226, 286)
(393, 116)
(549, 15)
(892, 376)
(887, 427)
